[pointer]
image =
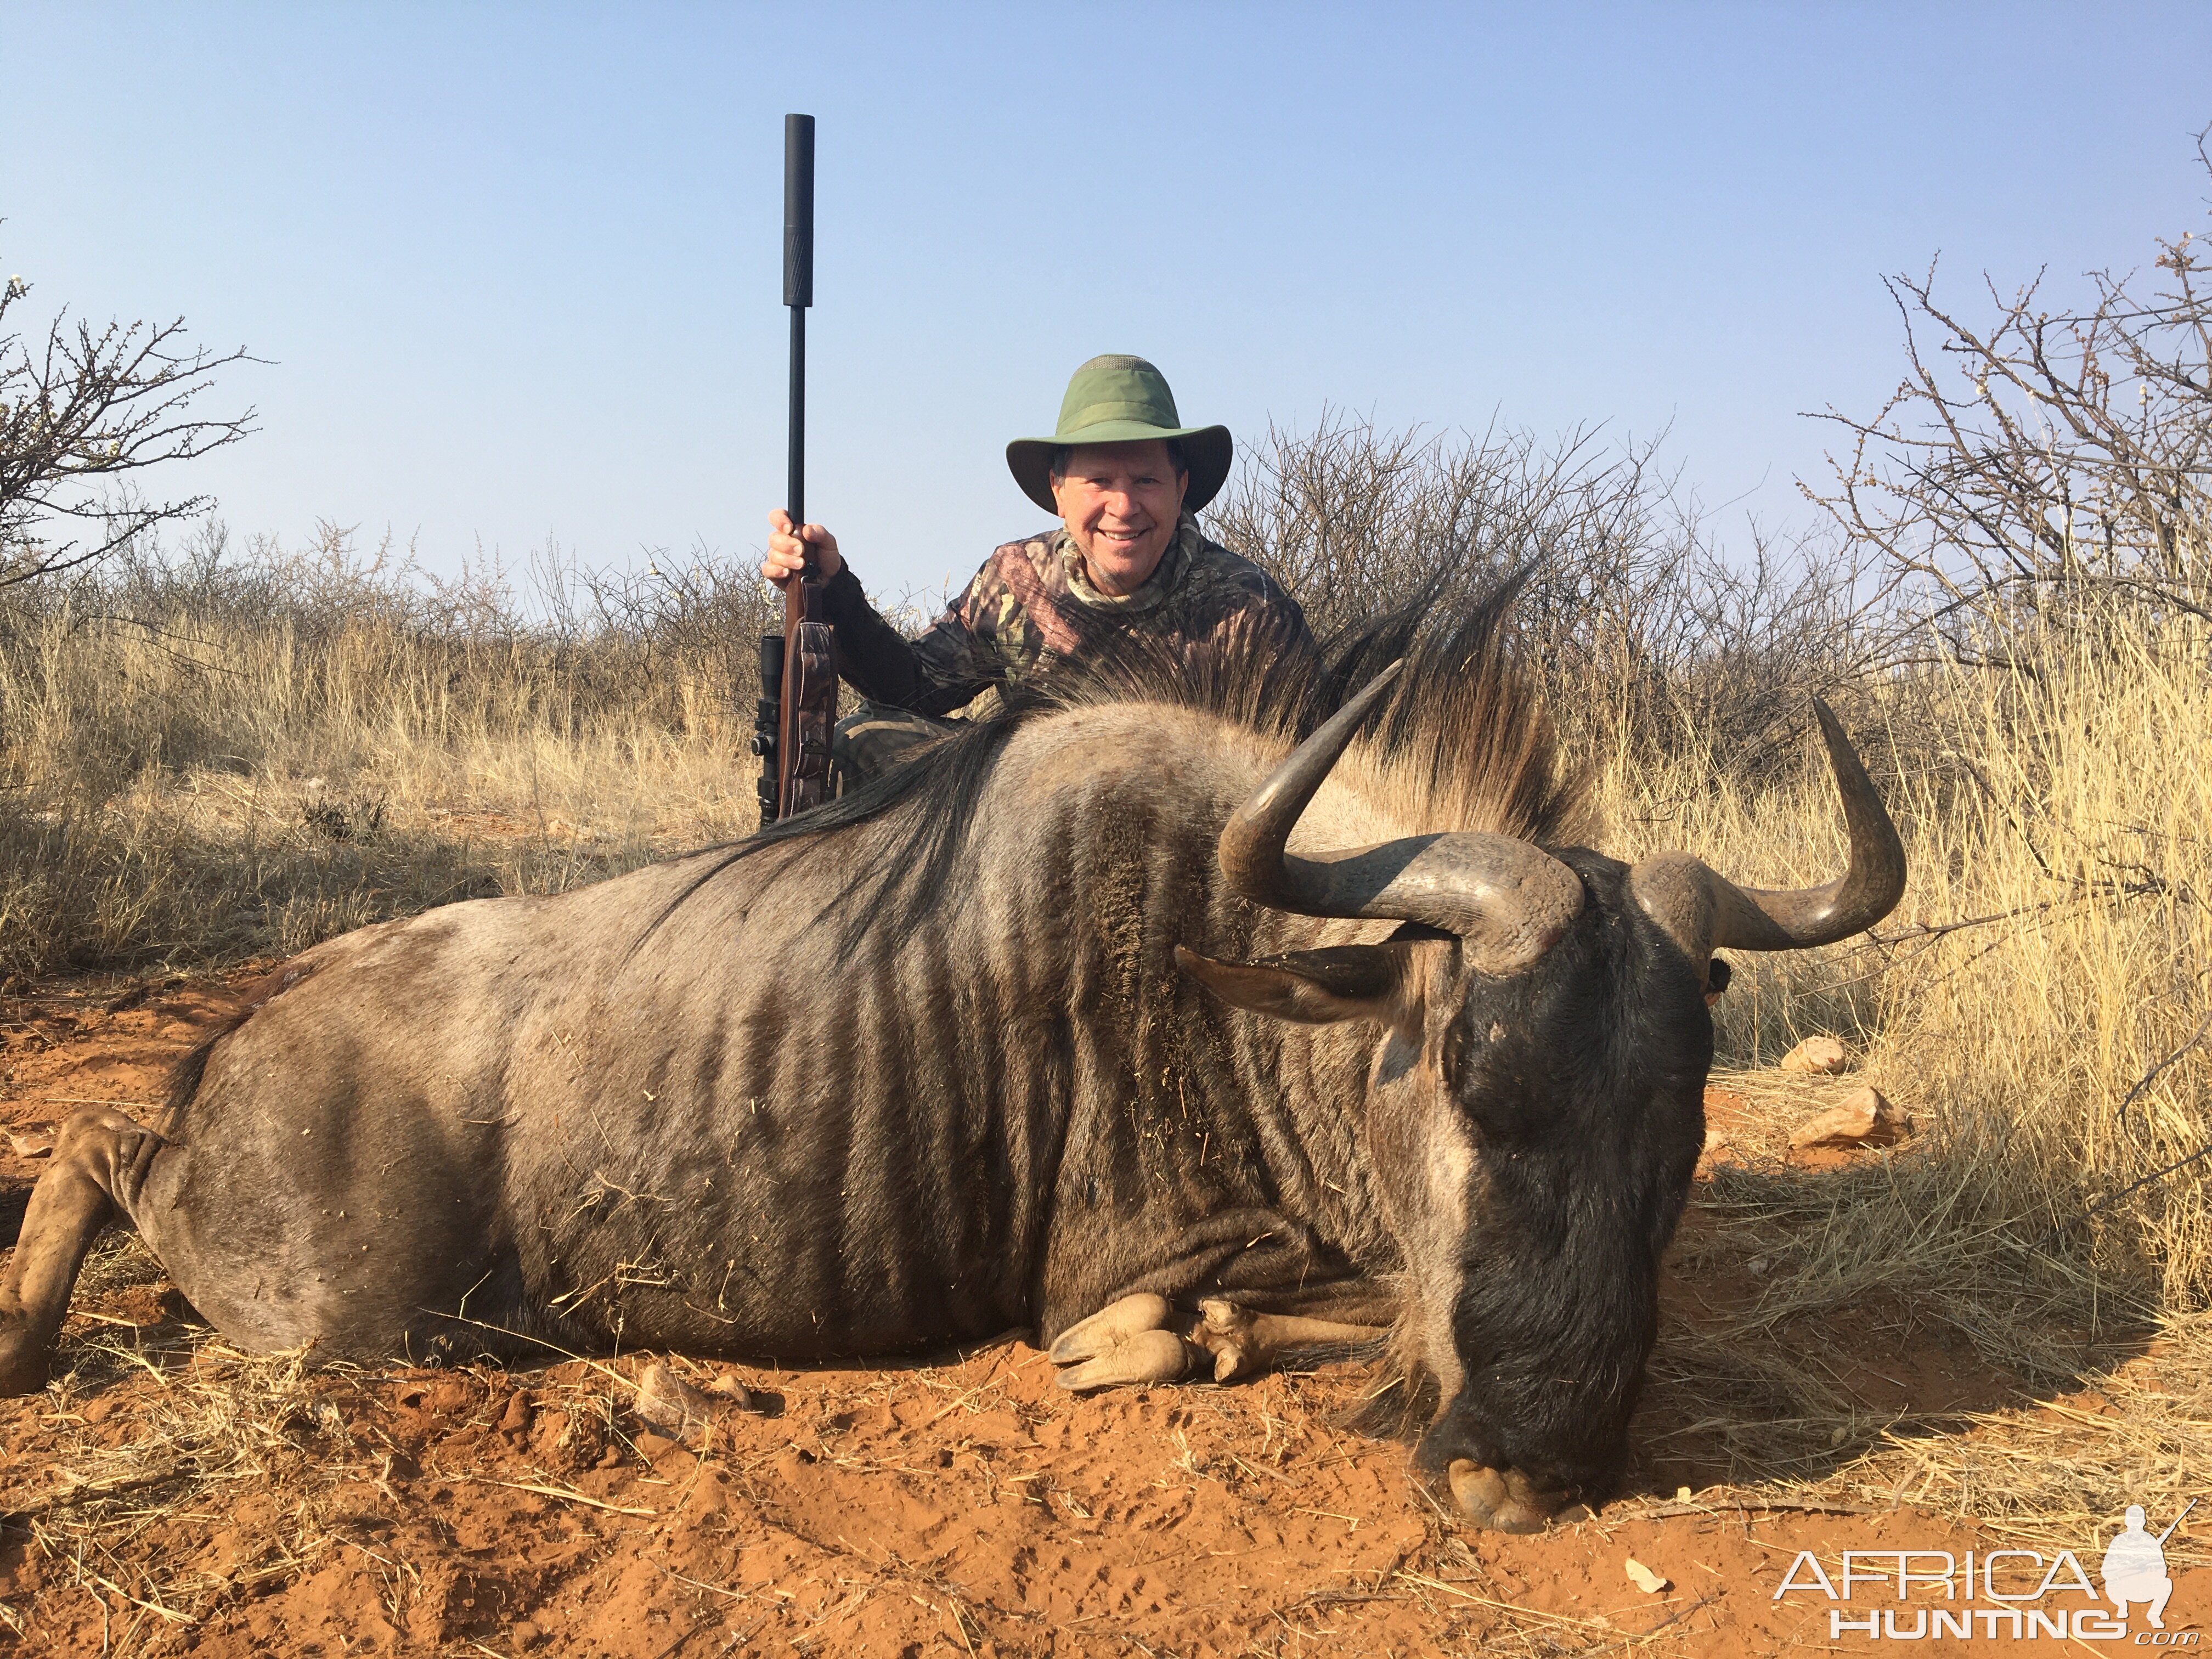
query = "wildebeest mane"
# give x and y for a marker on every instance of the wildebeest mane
(1462, 741)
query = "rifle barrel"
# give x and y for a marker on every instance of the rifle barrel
(794, 493)
(806, 708)
(798, 292)
(2178, 1520)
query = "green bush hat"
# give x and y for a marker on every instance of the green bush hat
(1117, 400)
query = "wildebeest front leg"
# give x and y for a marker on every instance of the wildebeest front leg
(101, 1160)
(1242, 1343)
(1142, 1338)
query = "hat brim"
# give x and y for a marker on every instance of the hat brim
(1208, 452)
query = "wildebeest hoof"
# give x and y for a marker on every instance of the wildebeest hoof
(1125, 1342)
(1225, 1332)
(1509, 1501)
(1110, 1326)
(1142, 1356)
(22, 1363)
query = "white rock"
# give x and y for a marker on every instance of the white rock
(675, 1408)
(1818, 1055)
(732, 1392)
(1644, 1579)
(1865, 1117)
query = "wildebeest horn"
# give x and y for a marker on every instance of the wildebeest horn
(1507, 901)
(1705, 910)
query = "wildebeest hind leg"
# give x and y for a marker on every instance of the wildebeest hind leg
(100, 1159)
(1127, 1341)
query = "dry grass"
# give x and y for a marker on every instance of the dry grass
(223, 1428)
(2047, 969)
(2049, 956)
(212, 778)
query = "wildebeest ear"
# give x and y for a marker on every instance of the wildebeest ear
(1339, 981)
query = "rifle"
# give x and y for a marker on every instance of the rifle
(2178, 1520)
(799, 666)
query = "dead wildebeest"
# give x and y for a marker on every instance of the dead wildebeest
(1084, 1021)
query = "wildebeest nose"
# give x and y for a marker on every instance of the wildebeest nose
(1507, 1501)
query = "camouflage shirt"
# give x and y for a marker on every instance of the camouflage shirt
(1031, 603)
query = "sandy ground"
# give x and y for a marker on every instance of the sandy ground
(169, 1495)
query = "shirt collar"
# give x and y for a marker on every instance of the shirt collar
(1166, 576)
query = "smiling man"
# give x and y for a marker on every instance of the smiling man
(1125, 478)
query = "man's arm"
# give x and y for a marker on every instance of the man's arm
(935, 674)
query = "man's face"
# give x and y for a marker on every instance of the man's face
(1121, 503)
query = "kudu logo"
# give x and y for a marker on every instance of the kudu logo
(1909, 1595)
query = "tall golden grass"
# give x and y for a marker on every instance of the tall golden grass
(200, 784)
(2052, 949)
(2036, 1002)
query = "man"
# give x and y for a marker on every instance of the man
(2135, 1570)
(1125, 477)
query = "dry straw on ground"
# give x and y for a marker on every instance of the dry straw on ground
(243, 753)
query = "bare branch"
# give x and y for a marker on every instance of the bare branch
(2030, 473)
(81, 418)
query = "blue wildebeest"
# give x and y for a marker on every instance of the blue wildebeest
(1131, 1017)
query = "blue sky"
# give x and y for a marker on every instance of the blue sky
(517, 269)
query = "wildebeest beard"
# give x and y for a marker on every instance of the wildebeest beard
(1081, 1022)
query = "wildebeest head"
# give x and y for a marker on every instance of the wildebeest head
(1534, 1106)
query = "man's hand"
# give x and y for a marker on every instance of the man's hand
(788, 545)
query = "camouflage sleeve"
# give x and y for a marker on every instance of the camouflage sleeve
(874, 658)
(954, 660)
(984, 634)
(933, 673)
